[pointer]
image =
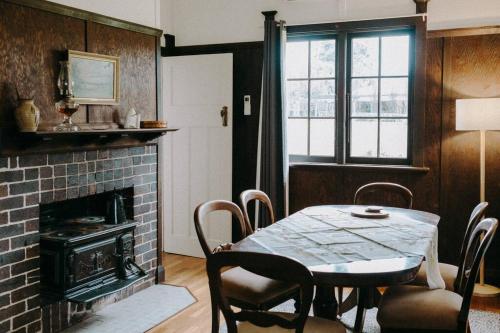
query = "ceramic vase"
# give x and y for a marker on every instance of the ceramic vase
(27, 116)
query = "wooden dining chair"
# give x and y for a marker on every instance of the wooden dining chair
(272, 267)
(451, 272)
(384, 194)
(245, 289)
(255, 195)
(420, 309)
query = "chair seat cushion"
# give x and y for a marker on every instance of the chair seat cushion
(415, 307)
(253, 290)
(313, 325)
(448, 272)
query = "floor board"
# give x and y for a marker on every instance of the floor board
(190, 272)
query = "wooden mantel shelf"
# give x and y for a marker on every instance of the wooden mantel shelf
(145, 132)
(55, 142)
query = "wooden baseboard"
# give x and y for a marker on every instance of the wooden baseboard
(160, 273)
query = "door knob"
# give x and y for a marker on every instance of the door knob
(223, 114)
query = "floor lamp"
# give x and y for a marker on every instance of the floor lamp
(480, 114)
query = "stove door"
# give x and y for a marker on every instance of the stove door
(92, 261)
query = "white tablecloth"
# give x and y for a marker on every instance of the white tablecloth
(332, 236)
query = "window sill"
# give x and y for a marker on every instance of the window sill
(363, 167)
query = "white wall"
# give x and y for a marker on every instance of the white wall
(195, 22)
(449, 14)
(145, 12)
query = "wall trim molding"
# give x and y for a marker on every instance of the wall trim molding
(172, 50)
(86, 15)
(461, 32)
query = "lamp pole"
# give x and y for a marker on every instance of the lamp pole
(480, 114)
(482, 289)
(482, 193)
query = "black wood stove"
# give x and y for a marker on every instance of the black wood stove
(84, 258)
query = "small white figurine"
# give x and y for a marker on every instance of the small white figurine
(132, 119)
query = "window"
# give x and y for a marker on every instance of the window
(311, 97)
(350, 93)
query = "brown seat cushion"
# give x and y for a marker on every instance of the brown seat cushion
(448, 272)
(415, 307)
(252, 289)
(313, 325)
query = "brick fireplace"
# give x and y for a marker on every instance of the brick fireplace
(27, 181)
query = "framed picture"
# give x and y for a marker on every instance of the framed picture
(96, 78)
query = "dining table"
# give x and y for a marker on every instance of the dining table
(344, 247)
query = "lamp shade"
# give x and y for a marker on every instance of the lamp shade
(478, 114)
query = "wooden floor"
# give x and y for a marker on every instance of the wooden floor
(187, 272)
(190, 272)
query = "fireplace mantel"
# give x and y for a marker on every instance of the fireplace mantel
(56, 142)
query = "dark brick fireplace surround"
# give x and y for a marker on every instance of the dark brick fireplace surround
(26, 181)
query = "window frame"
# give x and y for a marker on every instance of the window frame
(417, 27)
(308, 157)
(379, 77)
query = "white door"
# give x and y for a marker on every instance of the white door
(198, 157)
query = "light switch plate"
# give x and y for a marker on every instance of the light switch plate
(247, 105)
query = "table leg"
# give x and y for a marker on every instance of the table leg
(350, 302)
(361, 310)
(368, 297)
(325, 304)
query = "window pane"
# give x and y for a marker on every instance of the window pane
(323, 58)
(322, 137)
(323, 98)
(395, 55)
(364, 137)
(365, 56)
(364, 97)
(297, 136)
(296, 98)
(296, 60)
(394, 97)
(393, 138)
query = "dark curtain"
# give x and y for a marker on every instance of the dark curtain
(272, 180)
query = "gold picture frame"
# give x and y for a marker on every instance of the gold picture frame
(96, 78)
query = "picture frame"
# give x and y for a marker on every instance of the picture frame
(96, 78)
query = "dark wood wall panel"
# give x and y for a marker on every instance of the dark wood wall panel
(471, 70)
(247, 81)
(137, 54)
(32, 42)
(34, 37)
(322, 184)
(428, 187)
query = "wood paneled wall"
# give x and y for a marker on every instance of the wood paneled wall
(33, 41)
(137, 71)
(32, 44)
(457, 67)
(471, 69)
